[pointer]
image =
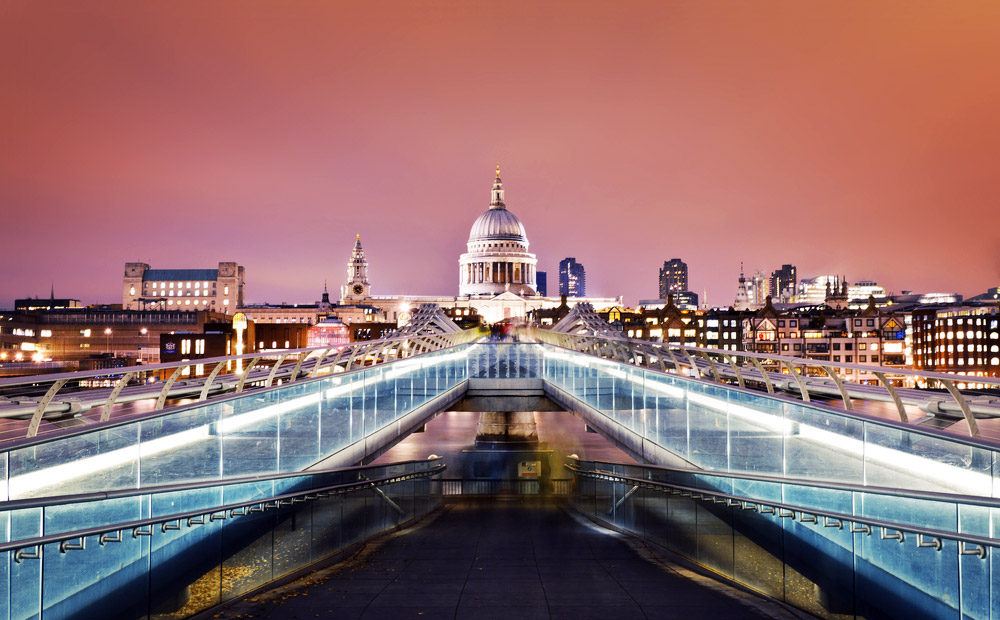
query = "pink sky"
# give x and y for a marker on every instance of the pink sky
(860, 138)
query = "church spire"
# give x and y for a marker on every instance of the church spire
(497, 195)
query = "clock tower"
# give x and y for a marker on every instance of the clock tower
(357, 286)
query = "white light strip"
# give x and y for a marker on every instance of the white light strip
(954, 479)
(21, 485)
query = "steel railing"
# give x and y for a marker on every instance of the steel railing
(799, 376)
(502, 487)
(37, 398)
(30, 548)
(926, 537)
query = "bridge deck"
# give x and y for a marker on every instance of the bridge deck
(505, 558)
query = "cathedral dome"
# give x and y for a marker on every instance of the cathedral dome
(497, 260)
(497, 223)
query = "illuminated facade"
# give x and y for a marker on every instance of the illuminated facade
(357, 286)
(497, 258)
(673, 277)
(216, 290)
(572, 278)
(497, 280)
(964, 340)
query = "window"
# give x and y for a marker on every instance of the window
(849, 359)
(792, 323)
(797, 346)
(862, 346)
(836, 358)
(862, 358)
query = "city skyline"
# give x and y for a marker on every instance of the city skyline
(852, 139)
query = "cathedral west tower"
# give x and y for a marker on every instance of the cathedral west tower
(357, 286)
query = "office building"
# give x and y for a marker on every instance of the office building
(673, 277)
(783, 283)
(542, 283)
(215, 290)
(572, 278)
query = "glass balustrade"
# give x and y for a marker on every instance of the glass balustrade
(833, 568)
(721, 428)
(281, 429)
(177, 568)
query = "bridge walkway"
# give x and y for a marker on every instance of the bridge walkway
(505, 558)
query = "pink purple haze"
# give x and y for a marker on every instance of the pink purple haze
(858, 138)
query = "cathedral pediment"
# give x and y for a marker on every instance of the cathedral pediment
(507, 296)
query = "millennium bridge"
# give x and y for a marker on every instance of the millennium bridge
(732, 484)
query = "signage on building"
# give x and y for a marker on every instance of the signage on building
(529, 469)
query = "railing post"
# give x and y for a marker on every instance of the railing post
(108, 404)
(736, 369)
(763, 374)
(973, 425)
(711, 364)
(673, 358)
(800, 380)
(169, 383)
(246, 374)
(889, 387)
(298, 365)
(694, 365)
(274, 369)
(840, 386)
(208, 381)
(36, 418)
(319, 362)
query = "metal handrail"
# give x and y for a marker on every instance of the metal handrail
(977, 500)
(386, 349)
(11, 444)
(216, 513)
(641, 353)
(890, 529)
(76, 498)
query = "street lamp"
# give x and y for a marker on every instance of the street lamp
(107, 339)
(145, 342)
